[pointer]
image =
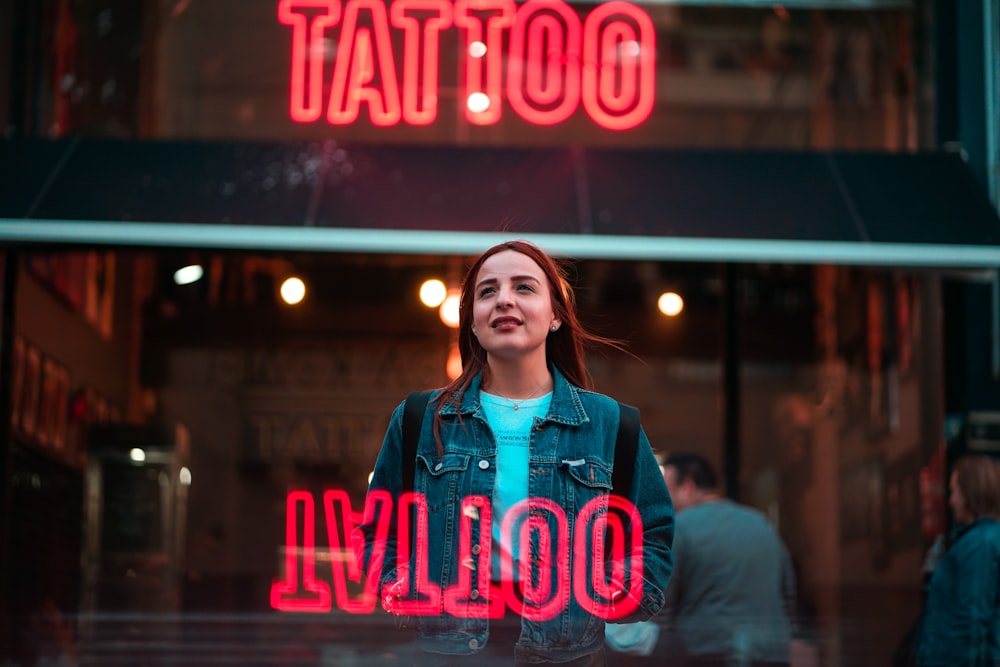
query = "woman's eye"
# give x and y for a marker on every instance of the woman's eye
(486, 291)
(526, 286)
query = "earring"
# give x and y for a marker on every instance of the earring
(553, 328)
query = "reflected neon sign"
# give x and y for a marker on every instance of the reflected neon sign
(555, 62)
(473, 595)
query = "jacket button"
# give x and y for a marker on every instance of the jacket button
(476, 549)
(438, 466)
(484, 464)
(474, 594)
(473, 643)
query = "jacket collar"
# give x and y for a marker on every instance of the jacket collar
(566, 407)
(963, 529)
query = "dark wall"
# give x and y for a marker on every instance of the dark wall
(961, 117)
(968, 329)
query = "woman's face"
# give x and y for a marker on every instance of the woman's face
(957, 501)
(512, 306)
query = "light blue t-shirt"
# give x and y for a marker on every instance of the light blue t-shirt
(512, 430)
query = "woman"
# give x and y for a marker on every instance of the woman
(513, 474)
(961, 623)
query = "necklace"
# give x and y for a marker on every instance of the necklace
(517, 403)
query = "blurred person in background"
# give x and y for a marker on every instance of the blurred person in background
(732, 594)
(961, 623)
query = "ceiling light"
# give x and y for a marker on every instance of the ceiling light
(432, 293)
(188, 274)
(293, 290)
(670, 304)
(449, 311)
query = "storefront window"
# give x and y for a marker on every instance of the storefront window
(179, 421)
(671, 75)
(182, 435)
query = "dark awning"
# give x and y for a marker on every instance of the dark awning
(867, 208)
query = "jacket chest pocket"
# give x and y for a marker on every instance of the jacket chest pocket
(586, 480)
(588, 476)
(441, 479)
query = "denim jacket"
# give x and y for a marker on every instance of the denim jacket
(961, 624)
(570, 465)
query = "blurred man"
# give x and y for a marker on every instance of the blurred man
(732, 593)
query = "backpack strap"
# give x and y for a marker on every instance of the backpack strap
(626, 447)
(413, 418)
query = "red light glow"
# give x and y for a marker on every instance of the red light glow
(303, 593)
(540, 602)
(300, 591)
(358, 57)
(552, 65)
(337, 503)
(420, 74)
(307, 53)
(633, 101)
(484, 74)
(543, 71)
(487, 602)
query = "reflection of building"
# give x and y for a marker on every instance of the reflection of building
(811, 361)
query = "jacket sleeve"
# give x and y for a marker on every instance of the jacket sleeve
(667, 616)
(650, 497)
(375, 539)
(975, 604)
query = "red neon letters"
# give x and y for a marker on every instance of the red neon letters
(553, 62)
(541, 599)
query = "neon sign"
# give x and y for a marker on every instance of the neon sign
(554, 61)
(300, 590)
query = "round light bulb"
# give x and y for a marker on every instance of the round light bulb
(670, 304)
(432, 293)
(478, 102)
(449, 311)
(477, 50)
(293, 290)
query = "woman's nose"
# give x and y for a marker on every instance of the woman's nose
(504, 299)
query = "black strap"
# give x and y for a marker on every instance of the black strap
(626, 447)
(413, 418)
(626, 444)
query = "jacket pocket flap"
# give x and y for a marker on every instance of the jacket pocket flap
(439, 465)
(589, 472)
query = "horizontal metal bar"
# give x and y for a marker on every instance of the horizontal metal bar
(408, 241)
